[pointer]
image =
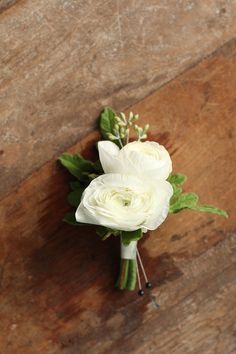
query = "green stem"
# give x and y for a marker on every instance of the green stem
(128, 274)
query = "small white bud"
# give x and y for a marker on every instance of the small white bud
(111, 136)
(123, 116)
(117, 119)
(122, 130)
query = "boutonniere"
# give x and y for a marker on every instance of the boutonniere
(129, 190)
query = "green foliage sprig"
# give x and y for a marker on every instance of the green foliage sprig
(84, 171)
(181, 200)
(117, 129)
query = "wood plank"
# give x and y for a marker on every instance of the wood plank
(62, 60)
(57, 282)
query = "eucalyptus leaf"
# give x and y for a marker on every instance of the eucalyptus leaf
(128, 236)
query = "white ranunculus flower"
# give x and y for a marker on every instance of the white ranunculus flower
(124, 202)
(147, 158)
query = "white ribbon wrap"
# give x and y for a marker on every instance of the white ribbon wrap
(130, 251)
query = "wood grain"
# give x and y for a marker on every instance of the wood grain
(57, 282)
(61, 61)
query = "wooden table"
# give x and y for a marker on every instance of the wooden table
(57, 282)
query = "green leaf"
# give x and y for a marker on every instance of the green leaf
(98, 167)
(177, 179)
(180, 201)
(77, 166)
(71, 163)
(69, 218)
(184, 201)
(176, 193)
(88, 177)
(128, 236)
(210, 209)
(75, 197)
(107, 122)
(75, 185)
(105, 232)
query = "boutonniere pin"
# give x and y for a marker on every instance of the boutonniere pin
(131, 189)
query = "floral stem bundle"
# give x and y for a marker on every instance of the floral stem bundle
(131, 189)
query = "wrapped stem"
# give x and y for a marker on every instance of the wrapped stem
(128, 267)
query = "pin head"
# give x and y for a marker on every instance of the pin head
(141, 292)
(148, 285)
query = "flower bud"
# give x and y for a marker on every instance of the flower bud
(131, 115)
(140, 130)
(123, 116)
(111, 136)
(117, 119)
(122, 130)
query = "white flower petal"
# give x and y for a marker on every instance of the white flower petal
(163, 192)
(146, 158)
(124, 202)
(108, 151)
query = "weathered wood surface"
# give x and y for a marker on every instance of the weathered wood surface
(57, 282)
(62, 60)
